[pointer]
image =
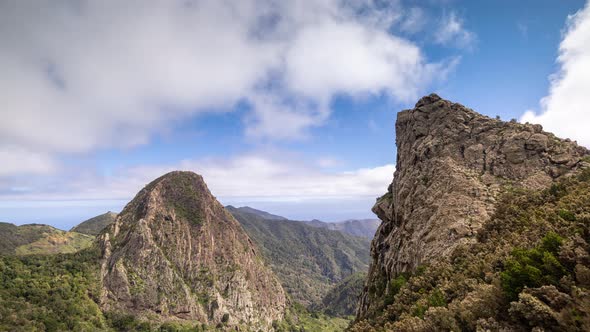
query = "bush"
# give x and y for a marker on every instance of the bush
(534, 267)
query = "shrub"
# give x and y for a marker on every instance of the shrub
(534, 267)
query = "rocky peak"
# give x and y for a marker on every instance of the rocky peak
(175, 252)
(452, 163)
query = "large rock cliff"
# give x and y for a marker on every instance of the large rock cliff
(452, 163)
(176, 253)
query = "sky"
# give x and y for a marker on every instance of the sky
(286, 106)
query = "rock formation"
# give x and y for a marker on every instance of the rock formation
(452, 163)
(176, 253)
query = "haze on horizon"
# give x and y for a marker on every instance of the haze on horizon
(288, 107)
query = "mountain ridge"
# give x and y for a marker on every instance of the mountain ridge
(95, 225)
(453, 167)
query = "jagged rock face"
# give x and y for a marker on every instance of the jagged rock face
(452, 163)
(176, 253)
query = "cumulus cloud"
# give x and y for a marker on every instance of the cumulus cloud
(77, 76)
(451, 31)
(565, 110)
(246, 177)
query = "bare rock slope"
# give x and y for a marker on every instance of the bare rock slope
(452, 163)
(176, 253)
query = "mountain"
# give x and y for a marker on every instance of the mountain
(342, 299)
(357, 227)
(485, 227)
(95, 225)
(308, 260)
(39, 239)
(260, 213)
(174, 253)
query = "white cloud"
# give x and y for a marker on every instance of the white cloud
(452, 32)
(334, 57)
(565, 110)
(17, 160)
(77, 76)
(247, 177)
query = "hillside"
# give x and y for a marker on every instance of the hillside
(40, 239)
(308, 260)
(357, 227)
(260, 213)
(95, 225)
(484, 227)
(342, 299)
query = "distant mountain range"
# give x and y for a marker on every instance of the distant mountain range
(308, 260)
(260, 213)
(357, 227)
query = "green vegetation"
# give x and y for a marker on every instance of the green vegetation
(530, 268)
(126, 322)
(60, 293)
(57, 243)
(533, 267)
(299, 319)
(342, 299)
(183, 196)
(94, 226)
(40, 239)
(309, 261)
(50, 293)
(12, 236)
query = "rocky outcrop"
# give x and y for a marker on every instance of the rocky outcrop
(176, 253)
(452, 163)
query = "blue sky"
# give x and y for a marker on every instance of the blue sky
(288, 107)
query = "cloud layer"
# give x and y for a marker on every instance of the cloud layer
(77, 76)
(246, 177)
(566, 109)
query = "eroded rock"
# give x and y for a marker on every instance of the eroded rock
(452, 165)
(176, 253)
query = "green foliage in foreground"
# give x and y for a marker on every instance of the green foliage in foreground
(533, 267)
(50, 293)
(300, 319)
(530, 268)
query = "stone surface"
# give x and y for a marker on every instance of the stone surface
(176, 253)
(452, 163)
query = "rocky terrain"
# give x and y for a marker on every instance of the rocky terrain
(454, 168)
(175, 253)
